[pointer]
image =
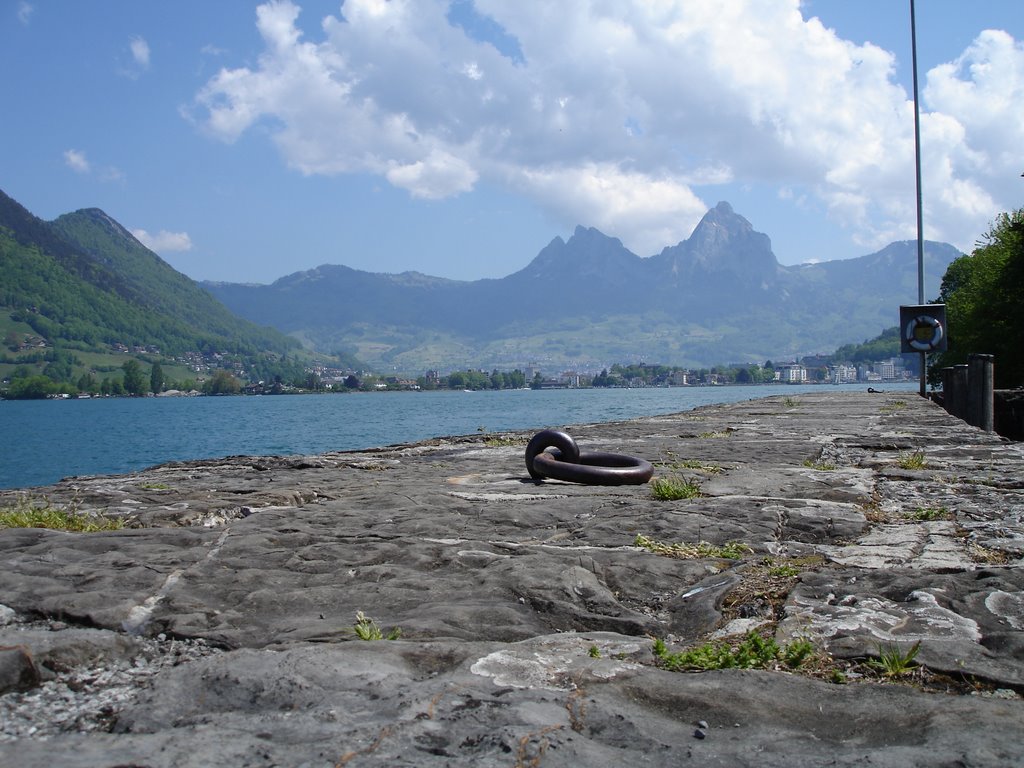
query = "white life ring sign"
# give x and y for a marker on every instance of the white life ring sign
(924, 333)
(923, 328)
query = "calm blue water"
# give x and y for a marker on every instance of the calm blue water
(46, 440)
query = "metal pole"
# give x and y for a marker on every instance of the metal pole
(917, 165)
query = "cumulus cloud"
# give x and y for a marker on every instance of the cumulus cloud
(164, 241)
(76, 161)
(627, 115)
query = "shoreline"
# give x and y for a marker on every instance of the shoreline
(104, 436)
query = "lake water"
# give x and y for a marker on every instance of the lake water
(46, 440)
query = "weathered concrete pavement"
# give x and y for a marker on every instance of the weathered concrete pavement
(220, 631)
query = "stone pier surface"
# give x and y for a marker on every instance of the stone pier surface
(218, 628)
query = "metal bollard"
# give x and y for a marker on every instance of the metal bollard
(980, 385)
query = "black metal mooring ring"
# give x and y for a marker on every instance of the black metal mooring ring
(566, 462)
(550, 438)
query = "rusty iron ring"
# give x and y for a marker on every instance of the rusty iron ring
(552, 453)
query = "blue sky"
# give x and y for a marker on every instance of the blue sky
(246, 141)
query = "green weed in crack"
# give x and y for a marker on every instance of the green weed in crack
(672, 488)
(753, 652)
(894, 662)
(367, 629)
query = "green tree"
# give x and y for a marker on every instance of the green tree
(87, 383)
(156, 379)
(984, 311)
(222, 383)
(134, 382)
(59, 365)
(32, 388)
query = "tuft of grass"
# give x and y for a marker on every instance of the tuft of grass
(720, 433)
(594, 652)
(980, 554)
(823, 466)
(753, 652)
(27, 513)
(367, 629)
(797, 652)
(893, 662)
(913, 460)
(673, 488)
(733, 550)
(696, 464)
(894, 406)
(502, 441)
(783, 571)
(928, 513)
(155, 486)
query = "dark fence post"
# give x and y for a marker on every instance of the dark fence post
(947, 389)
(980, 386)
(958, 396)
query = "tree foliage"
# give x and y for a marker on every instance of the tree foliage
(983, 296)
(470, 379)
(134, 382)
(32, 388)
(882, 347)
(156, 379)
(222, 383)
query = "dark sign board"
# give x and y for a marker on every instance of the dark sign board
(923, 328)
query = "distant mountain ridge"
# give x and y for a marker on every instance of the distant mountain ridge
(84, 281)
(719, 296)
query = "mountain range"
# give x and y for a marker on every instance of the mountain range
(719, 296)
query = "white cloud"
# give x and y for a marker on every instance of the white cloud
(164, 241)
(76, 161)
(438, 175)
(140, 52)
(138, 49)
(25, 10)
(625, 115)
(660, 211)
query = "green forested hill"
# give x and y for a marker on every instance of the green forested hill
(84, 283)
(144, 280)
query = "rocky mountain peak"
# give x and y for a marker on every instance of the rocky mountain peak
(722, 235)
(588, 253)
(724, 249)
